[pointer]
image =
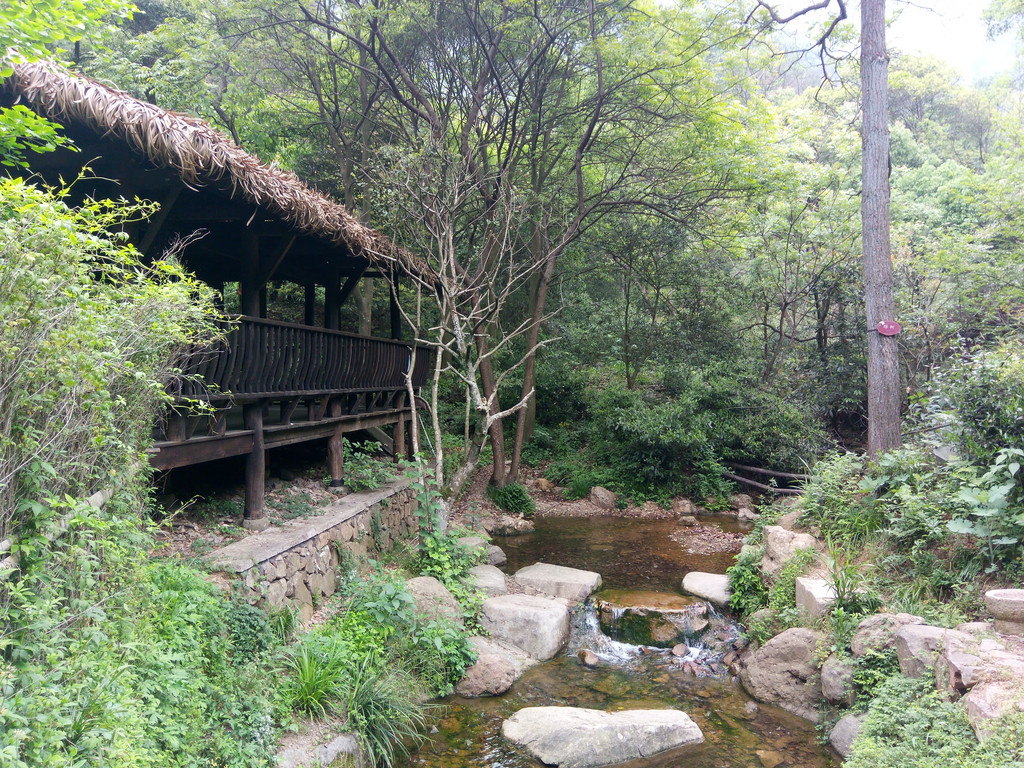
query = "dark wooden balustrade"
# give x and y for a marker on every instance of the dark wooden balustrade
(269, 384)
(263, 358)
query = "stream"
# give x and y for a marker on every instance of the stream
(633, 557)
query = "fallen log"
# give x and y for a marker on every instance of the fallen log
(770, 472)
(762, 486)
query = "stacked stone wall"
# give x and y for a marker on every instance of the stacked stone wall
(296, 565)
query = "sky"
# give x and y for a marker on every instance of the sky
(953, 31)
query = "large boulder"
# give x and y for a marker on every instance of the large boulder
(663, 623)
(602, 498)
(589, 738)
(433, 600)
(497, 666)
(783, 672)
(989, 701)
(559, 581)
(917, 648)
(837, 681)
(878, 632)
(843, 734)
(780, 545)
(473, 544)
(968, 659)
(507, 525)
(713, 587)
(538, 625)
(488, 579)
(495, 555)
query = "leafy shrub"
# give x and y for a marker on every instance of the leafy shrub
(835, 501)
(102, 331)
(446, 559)
(364, 468)
(514, 498)
(249, 630)
(910, 725)
(980, 401)
(746, 585)
(872, 671)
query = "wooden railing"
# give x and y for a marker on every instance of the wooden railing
(264, 358)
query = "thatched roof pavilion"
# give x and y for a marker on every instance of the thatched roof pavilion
(269, 383)
(134, 148)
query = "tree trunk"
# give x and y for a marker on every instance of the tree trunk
(489, 387)
(364, 300)
(525, 417)
(884, 396)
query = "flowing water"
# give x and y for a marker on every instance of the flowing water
(635, 557)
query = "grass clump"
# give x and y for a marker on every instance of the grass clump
(514, 498)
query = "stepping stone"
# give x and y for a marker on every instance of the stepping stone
(489, 579)
(559, 581)
(536, 624)
(497, 666)
(814, 597)
(713, 587)
(569, 737)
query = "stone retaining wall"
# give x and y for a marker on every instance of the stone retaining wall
(296, 564)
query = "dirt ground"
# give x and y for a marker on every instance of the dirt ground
(198, 519)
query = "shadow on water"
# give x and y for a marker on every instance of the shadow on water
(630, 555)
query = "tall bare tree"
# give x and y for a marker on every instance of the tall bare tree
(884, 395)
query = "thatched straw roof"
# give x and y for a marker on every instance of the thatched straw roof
(201, 156)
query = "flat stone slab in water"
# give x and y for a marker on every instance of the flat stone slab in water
(536, 624)
(642, 598)
(489, 579)
(589, 738)
(559, 581)
(713, 587)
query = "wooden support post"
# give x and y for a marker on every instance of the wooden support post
(250, 302)
(263, 301)
(255, 467)
(336, 450)
(309, 304)
(399, 439)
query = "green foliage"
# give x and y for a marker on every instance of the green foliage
(872, 671)
(317, 671)
(910, 725)
(384, 707)
(381, 618)
(363, 467)
(835, 501)
(747, 589)
(995, 508)
(444, 558)
(108, 658)
(980, 400)
(782, 595)
(251, 632)
(514, 498)
(89, 337)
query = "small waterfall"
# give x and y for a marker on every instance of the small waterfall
(703, 658)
